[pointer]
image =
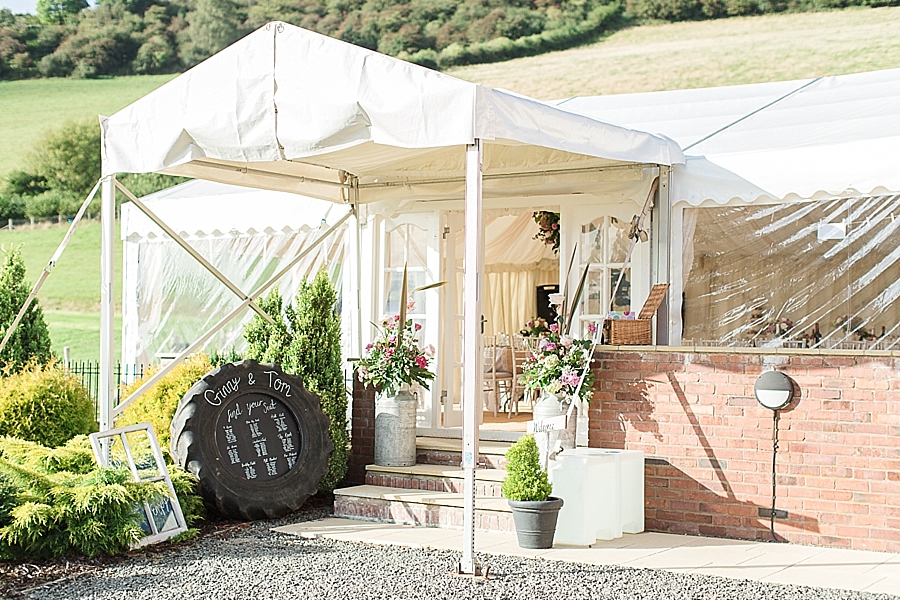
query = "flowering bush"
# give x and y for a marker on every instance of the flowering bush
(549, 228)
(557, 365)
(395, 358)
(534, 327)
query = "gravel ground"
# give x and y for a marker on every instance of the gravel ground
(252, 562)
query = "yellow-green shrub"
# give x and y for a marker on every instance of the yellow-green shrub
(44, 404)
(158, 404)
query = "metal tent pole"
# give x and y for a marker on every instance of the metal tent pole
(472, 374)
(107, 306)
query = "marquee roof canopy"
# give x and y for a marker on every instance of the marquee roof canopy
(291, 110)
(792, 140)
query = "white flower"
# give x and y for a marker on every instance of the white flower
(566, 340)
(557, 299)
(428, 351)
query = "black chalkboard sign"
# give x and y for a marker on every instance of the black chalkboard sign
(259, 437)
(255, 437)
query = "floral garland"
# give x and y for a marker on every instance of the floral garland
(549, 228)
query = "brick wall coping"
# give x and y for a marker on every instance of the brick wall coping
(766, 351)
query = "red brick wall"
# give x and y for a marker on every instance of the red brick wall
(708, 443)
(362, 433)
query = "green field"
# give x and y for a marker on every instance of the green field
(29, 108)
(71, 295)
(707, 53)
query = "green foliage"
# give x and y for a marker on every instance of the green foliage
(306, 340)
(31, 340)
(75, 456)
(525, 479)
(63, 513)
(217, 359)
(213, 24)
(267, 343)
(56, 501)
(57, 11)
(63, 168)
(44, 404)
(315, 355)
(158, 404)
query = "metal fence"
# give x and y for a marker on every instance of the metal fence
(89, 373)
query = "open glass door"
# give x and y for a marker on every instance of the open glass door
(412, 240)
(451, 355)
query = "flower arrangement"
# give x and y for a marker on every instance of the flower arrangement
(395, 358)
(534, 327)
(853, 325)
(558, 364)
(779, 326)
(549, 228)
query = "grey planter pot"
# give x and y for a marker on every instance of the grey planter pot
(535, 521)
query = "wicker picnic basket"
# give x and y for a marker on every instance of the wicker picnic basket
(636, 332)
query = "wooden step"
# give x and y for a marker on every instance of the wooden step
(418, 507)
(435, 478)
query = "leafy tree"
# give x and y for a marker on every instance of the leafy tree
(30, 342)
(57, 11)
(265, 343)
(213, 24)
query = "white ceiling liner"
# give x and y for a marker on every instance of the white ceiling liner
(218, 209)
(772, 142)
(341, 110)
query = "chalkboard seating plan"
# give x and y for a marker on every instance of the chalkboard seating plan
(255, 437)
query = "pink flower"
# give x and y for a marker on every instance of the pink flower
(554, 328)
(566, 340)
(417, 326)
(570, 378)
(392, 339)
(369, 346)
(421, 361)
(410, 304)
(550, 347)
(592, 327)
(389, 352)
(428, 350)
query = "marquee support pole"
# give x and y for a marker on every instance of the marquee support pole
(472, 368)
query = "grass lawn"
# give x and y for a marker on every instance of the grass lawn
(80, 331)
(71, 294)
(28, 108)
(707, 53)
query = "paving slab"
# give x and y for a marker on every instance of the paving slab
(855, 570)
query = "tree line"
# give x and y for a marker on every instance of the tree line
(67, 38)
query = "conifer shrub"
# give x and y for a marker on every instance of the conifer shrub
(30, 342)
(158, 404)
(56, 501)
(44, 404)
(525, 479)
(306, 341)
(315, 355)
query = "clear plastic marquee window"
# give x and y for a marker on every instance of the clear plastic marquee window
(820, 274)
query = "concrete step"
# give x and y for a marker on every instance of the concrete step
(448, 452)
(435, 478)
(419, 507)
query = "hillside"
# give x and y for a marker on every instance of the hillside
(28, 108)
(705, 54)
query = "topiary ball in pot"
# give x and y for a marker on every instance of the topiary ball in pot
(528, 489)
